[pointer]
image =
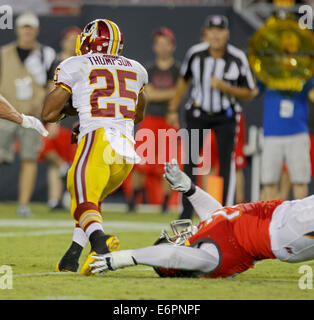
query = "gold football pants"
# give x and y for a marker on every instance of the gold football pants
(97, 170)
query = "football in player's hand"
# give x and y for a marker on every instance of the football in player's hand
(68, 109)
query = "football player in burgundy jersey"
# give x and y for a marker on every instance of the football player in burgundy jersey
(227, 241)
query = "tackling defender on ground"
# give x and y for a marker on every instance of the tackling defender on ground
(227, 241)
(107, 91)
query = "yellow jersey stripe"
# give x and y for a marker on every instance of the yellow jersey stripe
(142, 89)
(64, 86)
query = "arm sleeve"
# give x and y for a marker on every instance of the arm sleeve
(203, 203)
(64, 76)
(178, 257)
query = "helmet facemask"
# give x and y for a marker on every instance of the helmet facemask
(182, 230)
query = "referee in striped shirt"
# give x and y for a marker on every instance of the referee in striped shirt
(220, 75)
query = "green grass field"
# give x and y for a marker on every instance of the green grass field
(32, 247)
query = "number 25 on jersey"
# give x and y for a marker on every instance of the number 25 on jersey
(114, 83)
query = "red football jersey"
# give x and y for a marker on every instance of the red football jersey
(241, 234)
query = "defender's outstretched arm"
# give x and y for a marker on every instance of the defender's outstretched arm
(8, 112)
(164, 255)
(203, 203)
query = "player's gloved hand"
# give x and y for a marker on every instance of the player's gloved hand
(177, 179)
(33, 123)
(112, 261)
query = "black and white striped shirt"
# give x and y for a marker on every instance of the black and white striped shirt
(200, 66)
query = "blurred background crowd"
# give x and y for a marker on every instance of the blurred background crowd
(267, 132)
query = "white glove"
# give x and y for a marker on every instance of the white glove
(34, 123)
(112, 261)
(177, 179)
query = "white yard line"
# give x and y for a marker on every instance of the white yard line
(66, 227)
(37, 223)
(34, 233)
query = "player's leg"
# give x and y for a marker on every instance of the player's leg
(92, 174)
(118, 173)
(292, 230)
(89, 178)
(69, 261)
(105, 171)
(86, 181)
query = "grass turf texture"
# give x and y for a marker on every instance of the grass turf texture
(33, 247)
